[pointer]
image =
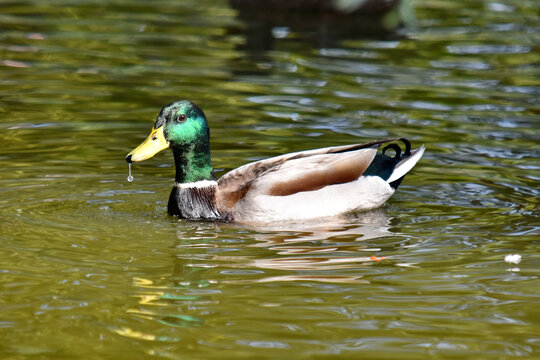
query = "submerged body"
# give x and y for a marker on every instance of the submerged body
(308, 184)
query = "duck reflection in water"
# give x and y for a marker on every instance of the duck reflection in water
(209, 254)
(303, 251)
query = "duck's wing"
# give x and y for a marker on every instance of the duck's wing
(296, 172)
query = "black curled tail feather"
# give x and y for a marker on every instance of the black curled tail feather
(383, 165)
(395, 184)
(397, 148)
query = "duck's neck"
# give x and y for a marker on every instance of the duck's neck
(193, 162)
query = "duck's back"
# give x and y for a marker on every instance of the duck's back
(316, 183)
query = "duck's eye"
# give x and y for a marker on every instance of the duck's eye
(181, 118)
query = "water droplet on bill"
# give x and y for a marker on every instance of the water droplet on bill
(129, 178)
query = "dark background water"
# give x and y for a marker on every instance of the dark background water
(92, 267)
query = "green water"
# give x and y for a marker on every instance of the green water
(91, 267)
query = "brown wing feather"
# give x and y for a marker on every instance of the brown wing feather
(234, 185)
(337, 172)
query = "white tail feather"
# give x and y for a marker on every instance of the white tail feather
(404, 166)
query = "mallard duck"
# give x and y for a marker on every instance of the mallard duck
(307, 184)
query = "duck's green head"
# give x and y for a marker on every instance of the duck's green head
(179, 125)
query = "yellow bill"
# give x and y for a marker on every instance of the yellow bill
(153, 144)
